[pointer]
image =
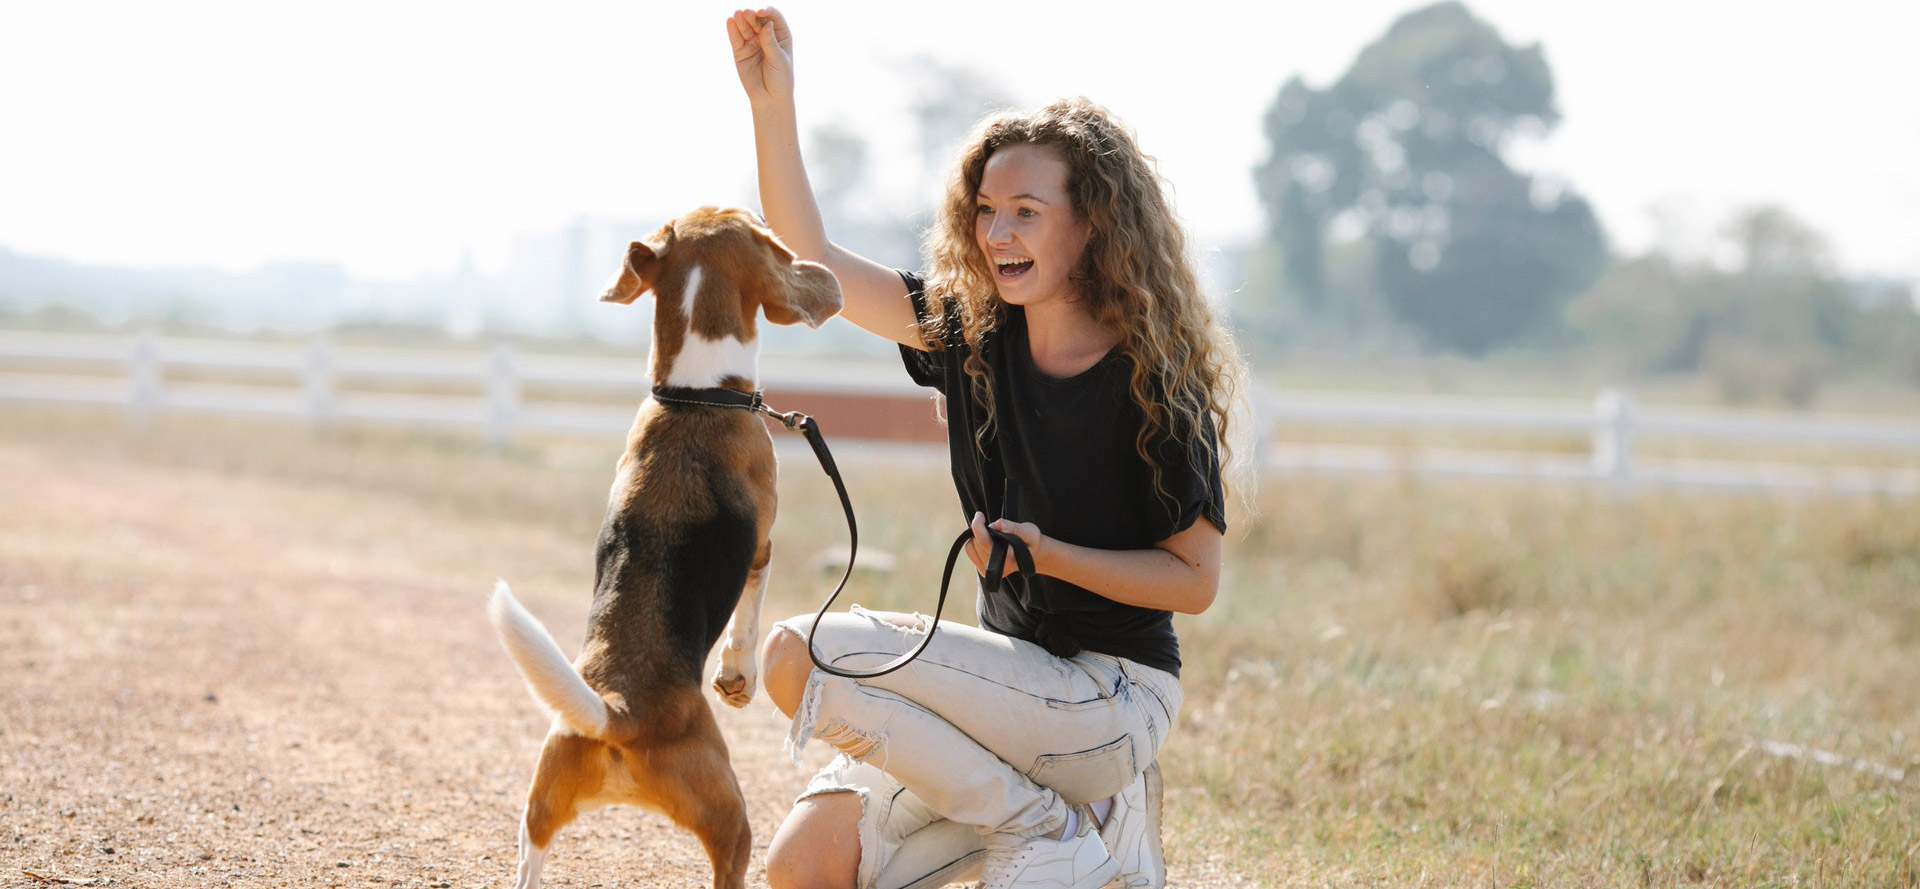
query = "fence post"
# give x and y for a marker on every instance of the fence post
(143, 395)
(319, 383)
(1613, 437)
(503, 397)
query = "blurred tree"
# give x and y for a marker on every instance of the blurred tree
(871, 215)
(1772, 242)
(946, 101)
(1407, 148)
(837, 164)
(840, 167)
(1774, 321)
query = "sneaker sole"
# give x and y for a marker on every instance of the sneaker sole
(1159, 880)
(1156, 881)
(1102, 875)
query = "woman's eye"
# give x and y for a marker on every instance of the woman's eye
(1027, 213)
(984, 210)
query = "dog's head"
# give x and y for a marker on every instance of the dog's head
(711, 272)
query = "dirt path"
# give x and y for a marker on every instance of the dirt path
(210, 679)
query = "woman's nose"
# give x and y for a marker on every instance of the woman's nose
(998, 234)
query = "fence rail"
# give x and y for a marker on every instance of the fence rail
(504, 392)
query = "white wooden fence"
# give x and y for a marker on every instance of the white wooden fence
(503, 392)
(1805, 452)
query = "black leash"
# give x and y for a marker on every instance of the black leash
(796, 421)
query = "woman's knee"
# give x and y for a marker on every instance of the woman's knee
(818, 846)
(785, 666)
(786, 663)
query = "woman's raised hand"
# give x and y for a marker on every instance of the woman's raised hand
(762, 53)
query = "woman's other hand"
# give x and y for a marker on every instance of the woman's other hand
(762, 53)
(981, 546)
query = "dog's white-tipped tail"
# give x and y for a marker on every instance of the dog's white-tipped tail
(551, 677)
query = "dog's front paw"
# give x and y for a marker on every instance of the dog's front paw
(734, 681)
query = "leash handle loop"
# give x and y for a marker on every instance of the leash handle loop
(1002, 544)
(1005, 544)
(953, 555)
(811, 428)
(818, 440)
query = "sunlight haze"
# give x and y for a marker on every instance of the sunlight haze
(403, 139)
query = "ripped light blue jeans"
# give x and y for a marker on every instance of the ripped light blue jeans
(982, 733)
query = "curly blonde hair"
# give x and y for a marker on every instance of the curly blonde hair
(1135, 276)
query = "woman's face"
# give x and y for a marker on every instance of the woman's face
(1026, 226)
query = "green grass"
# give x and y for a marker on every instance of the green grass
(1423, 683)
(1403, 682)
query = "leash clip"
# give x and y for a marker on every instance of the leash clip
(795, 421)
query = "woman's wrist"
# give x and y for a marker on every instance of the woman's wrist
(1042, 551)
(771, 107)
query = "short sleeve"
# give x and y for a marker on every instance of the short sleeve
(927, 367)
(1190, 480)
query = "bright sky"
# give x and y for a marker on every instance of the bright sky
(396, 137)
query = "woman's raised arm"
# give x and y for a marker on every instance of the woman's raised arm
(873, 295)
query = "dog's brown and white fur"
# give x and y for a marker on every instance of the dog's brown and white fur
(683, 545)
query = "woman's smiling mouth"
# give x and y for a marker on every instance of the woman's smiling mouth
(1011, 267)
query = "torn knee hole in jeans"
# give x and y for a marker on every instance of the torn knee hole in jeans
(856, 743)
(911, 624)
(802, 729)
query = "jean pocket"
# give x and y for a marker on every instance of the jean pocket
(1088, 775)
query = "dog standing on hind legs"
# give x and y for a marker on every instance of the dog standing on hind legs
(684, 545)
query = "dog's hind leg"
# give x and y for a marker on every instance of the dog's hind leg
(571, 772)
(691, 781)
(734, 681)
(532, 857)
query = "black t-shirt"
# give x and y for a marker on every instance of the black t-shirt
(1063, 450)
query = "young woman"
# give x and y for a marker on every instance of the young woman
(1087, 389)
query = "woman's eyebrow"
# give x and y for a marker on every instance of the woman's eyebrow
(1023, 195)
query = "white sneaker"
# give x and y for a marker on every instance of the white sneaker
(1077, 862)
(1132, 833)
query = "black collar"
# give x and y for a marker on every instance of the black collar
(714, 397)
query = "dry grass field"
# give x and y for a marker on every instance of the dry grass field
(238, 653)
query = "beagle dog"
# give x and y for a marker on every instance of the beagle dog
(683, 546)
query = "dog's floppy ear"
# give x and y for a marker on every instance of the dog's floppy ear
(812, 295)
(800, 290)
(636, 274)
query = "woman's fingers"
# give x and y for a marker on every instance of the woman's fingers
(981, 545)
(740, 34)
(770, 43)
(776, 39)
(1029, 534)
(762, 51)
(781, 33)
